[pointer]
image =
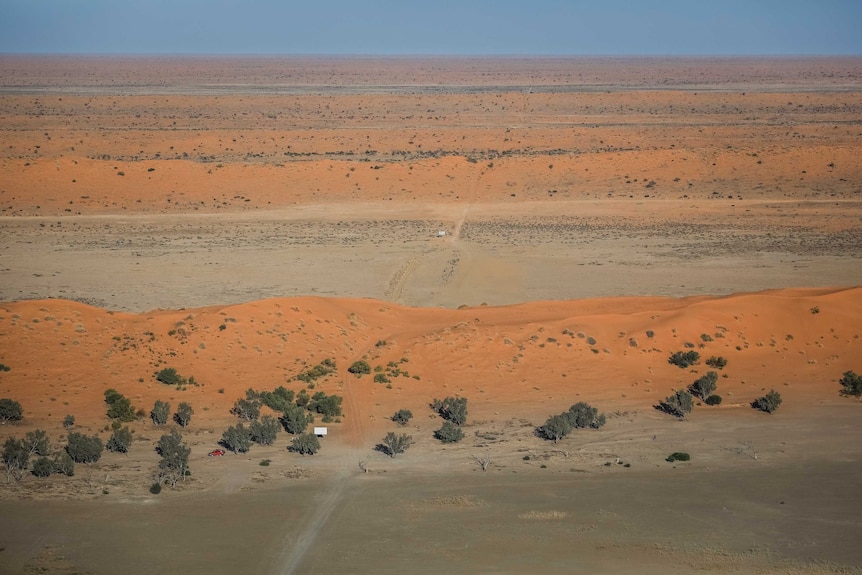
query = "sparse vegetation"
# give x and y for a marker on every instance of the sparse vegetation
(684, 359)
(851, 384)
(678, 456)
(359, 368)
(184, 413)
(161, 412)
(119, 406)
(83, 448)
(10, 410)
(36, 442)
(449, 433)
(704, 385)
(16, 459)
(402, 416)
(716, 362)
(768, 403)
(452, 409)
(68, 421)
(169, 376)
(394, 443)
(236, 438)
(580, 415)
(322, 369)
(120, 440)
(305, 444)
(679, 404)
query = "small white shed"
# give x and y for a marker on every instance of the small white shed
(320, 431)
(441, 233)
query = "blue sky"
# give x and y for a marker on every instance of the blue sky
(444, 27)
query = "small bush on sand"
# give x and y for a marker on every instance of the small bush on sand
(684, 359)
(679, 404)
(851, 384)
(768, 403)
(678, 456)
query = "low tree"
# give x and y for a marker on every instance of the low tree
(555, 428)
(768, 403)
(402, 416)
(329, 406)
(83, 448)
(483, 461)
(684, 359)
(120, 440)
(452, 409)
(449, 433)
(358, 368)
(295, 419)
(393, 443)
(161, 412)
(716, 362)
(277, 399)
(247, 409)
(851, 384)
(169, 376)
(174, 463)
(713, 400)
(704, 385)
(184, 413)
(236, 438)
(10, 410)
(305, 444)
(37, 442)
(582, 416)
(68, 421)
(265, 430)
(43, 467)
(64, 464)
(16, 458)
(119, 406)
(679, 404)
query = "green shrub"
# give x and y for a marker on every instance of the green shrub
(326, 405)
(452, 409)
(264, 462)
(119, 406)
(393, 443)
(359, 368)
(581, 415)
(295, 419)
(678, 456)
(265, 430)
(305, 444)
(156, 488)
(43, 467)
(169, 376)
(402, 416)
(704, 385)
(68, 421)
(679, 404)
(716, 362)
(555, 428)
(161, 412)
(247, 409)
(37, 442)
(851, 384)
(684, 359)
(64, 464)
(16, 458)
(174, 463)
(381, 378)
(236, 438)
(713, 400)
(768, 403)
(277, 399)
(84, 449)
(449, 433)
(120, 441)
(322, 369)
(10, 410)
(184, 413)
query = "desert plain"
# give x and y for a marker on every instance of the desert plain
(526, 233)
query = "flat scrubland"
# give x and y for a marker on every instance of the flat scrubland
(243, 221)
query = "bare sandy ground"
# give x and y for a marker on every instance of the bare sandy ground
(242, 226)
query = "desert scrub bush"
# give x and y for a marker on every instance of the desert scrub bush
(684, 359)
(120, 440)
(452, 409)
(16, 458)
(64, 464)
(713, 400)
(322, 369)
(555, 428)
(705, 337)
(184, 413)
(277, 399)
(359, 368)
(402, 416)
(305, 444)
(704, 385)
(246, 408)
(68, 421)
(174, 463)
(679, 404)
(851, 384)
(161, 412)
(265, 430)
(678, 456)
(449, 433)
(236, 438)
(156, 488)
(381, 378)
(295, 418)
(329, 406)
(83, 448)
(650, 333)
(768, 403)
(394, 443)
(37, 443)
(717, 362)
(169, 376)
(579, 416)
(43, 467)
(10, 410)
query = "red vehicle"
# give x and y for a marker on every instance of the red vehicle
(216, 453)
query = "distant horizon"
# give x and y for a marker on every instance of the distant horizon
(348, 56)
(542, 28)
